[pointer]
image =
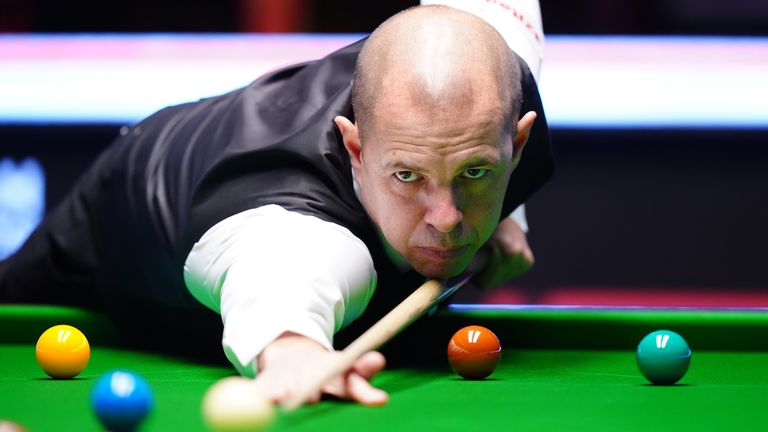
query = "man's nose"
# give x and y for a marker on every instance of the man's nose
(442, 210)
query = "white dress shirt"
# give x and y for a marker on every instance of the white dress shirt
(268, 271)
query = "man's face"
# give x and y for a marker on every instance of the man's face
(434, 181)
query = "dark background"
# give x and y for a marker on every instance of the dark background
(676, 209)
(733, 17)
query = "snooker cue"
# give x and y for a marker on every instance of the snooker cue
(410, 309)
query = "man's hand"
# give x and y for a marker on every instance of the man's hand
(509, 256)
(292, 360)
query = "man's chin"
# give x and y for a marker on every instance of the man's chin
(440, 270)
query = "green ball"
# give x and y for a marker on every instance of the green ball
(663, 357)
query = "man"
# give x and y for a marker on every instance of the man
(266, 213)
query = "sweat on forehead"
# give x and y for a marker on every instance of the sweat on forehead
(437, 58)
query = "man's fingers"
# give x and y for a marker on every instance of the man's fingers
(361, 391)
(369, 364)
(522, 262)
(528, 253)
(355, 386)
(272, 388)
(284, 375)
(519, 247)
(358, 383)
(280, 387)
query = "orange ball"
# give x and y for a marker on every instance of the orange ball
(474, 352)
(63, 351)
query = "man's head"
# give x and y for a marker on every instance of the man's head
(436, 97)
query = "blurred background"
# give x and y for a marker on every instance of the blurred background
(702, 17)
(668, 210)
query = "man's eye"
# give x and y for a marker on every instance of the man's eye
(475, 173)
(406, 176)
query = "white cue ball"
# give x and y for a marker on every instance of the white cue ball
(234, 404)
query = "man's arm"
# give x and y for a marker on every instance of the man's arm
(283, 283)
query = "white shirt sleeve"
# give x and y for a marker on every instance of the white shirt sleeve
(269, 270)
(518, 215)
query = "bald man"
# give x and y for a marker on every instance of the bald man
(282, 206)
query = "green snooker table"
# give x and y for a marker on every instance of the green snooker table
(562, 369)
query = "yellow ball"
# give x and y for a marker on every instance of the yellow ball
(234, 404)
(63, 351)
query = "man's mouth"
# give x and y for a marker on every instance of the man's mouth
(442, 253)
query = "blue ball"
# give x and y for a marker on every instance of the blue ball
(663, 357)
(121, 400)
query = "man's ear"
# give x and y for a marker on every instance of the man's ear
(351, 138)
(523, 131)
